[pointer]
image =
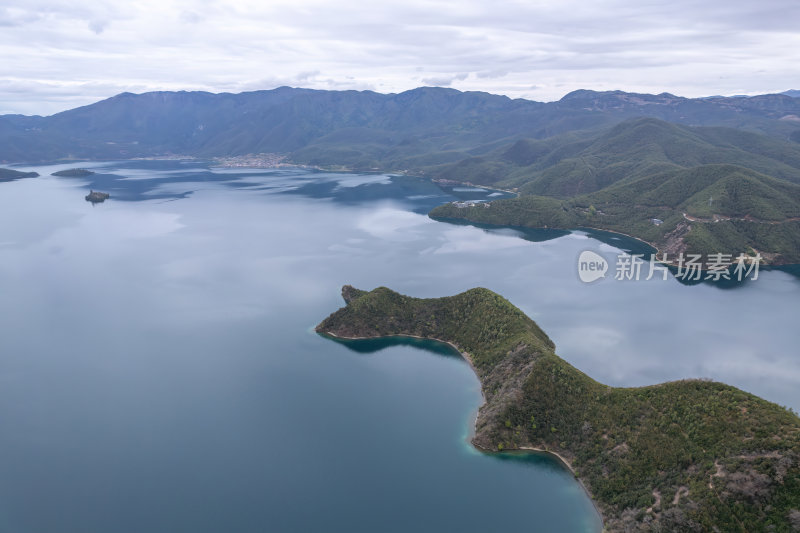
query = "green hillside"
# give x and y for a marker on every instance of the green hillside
(680, 456)
(716, 190)
(568, 166)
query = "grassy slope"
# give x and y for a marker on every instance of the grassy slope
(713, 455)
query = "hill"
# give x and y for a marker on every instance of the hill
(567, 166)
(686, 455)
(717, 190)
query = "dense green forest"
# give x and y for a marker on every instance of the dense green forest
(690, 455)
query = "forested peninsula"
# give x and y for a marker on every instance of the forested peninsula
(690, 455)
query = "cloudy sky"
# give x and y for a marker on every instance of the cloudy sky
(58, 54)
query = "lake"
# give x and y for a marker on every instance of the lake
(160, 371)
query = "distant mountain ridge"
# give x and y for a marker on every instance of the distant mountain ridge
(410, 130)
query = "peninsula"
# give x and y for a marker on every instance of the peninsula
(7, 174)
(691, 455)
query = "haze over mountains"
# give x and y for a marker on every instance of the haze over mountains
(413, 129)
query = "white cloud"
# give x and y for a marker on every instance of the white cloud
(444, 81)
(64, 53)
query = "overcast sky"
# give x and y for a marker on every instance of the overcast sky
(60, 54)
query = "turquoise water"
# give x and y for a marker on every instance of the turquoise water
(160, 371)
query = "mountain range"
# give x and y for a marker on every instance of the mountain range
(362, 130)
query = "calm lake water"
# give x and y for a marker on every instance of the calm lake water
(160, 372)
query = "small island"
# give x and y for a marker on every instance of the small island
(73, 173)
(690, 455)
(97, 197)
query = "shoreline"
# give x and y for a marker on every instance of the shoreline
(571, 229)
(658, 250)
(669, 264)
(474, 427)
(440, 181)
